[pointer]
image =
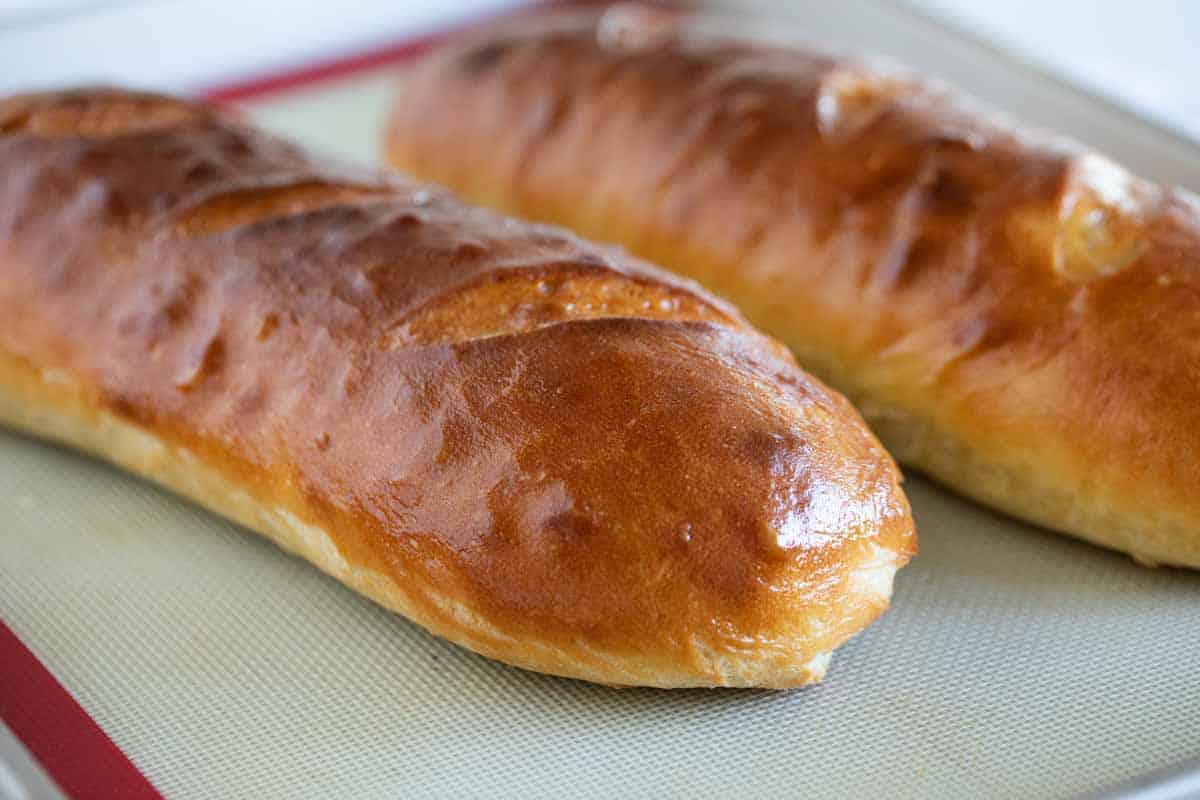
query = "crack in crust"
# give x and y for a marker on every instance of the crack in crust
(519, 302)
(97, 114)
(243, 207)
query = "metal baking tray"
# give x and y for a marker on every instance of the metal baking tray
(1014, 663)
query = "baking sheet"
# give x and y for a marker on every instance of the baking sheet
(1015, 663)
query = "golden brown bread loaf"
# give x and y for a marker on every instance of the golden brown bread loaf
(1013, 315)
(552, 454)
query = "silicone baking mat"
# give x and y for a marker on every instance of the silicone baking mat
(1014, 663)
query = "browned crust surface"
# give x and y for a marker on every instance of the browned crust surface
(553, 454)
(1014, 315)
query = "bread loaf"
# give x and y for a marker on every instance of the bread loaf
(1014, 315)
(549, 453)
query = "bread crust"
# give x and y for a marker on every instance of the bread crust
(550, 453)
(1014, 315)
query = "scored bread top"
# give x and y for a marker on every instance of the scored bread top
(1014, 314)
(557, 455)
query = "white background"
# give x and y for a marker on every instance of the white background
(1145, 54)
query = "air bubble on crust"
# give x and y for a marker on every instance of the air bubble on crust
(849, 100)
(1103, 217)
(632, 26)
(207, 364)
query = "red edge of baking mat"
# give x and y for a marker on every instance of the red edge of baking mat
(68, 743)
(271, 83)
(321, 71)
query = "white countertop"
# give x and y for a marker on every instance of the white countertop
(1141, 55)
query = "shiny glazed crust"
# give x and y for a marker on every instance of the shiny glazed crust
(1013, 315)
(549, 453)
